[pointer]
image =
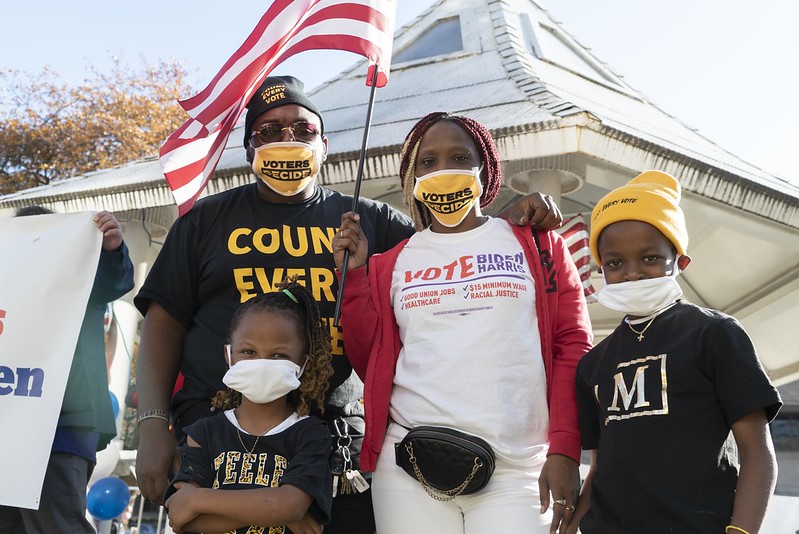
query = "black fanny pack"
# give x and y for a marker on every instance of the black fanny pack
(446, 462)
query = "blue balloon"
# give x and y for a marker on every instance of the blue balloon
(114, 403)
(107, 498)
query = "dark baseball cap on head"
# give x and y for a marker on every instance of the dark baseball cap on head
(277, 91)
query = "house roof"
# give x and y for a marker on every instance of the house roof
(517, 70)
(520, 70)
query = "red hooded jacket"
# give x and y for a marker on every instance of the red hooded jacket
(371, 337)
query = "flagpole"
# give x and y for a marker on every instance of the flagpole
(357, 193)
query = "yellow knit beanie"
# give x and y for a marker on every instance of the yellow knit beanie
(652, 197)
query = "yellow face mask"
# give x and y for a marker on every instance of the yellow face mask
(286, 167)
(449, 194)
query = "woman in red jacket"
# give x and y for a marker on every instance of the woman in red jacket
(471, 324)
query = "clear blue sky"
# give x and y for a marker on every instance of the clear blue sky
(725, 67)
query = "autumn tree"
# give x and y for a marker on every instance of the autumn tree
(50, 130)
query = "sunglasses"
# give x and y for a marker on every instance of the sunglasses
(272, 132)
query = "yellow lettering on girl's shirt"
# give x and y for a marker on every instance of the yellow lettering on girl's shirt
(280, 468)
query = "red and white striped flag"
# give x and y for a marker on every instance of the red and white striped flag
(575, 233)
(190, 155)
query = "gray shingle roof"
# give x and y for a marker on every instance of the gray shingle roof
(498, 80)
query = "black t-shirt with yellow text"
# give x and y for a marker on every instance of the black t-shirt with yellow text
(233, 246)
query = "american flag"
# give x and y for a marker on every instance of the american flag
(575, 233)
(190, 155)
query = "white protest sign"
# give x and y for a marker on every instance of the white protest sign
(46, 275)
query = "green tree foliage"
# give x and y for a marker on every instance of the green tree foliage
(52, 131)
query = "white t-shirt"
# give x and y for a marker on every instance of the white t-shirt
(471, 356)
(288, 422)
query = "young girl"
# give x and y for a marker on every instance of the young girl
(264, 449)
(471, 325)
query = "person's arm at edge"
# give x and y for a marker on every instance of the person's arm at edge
(114, 276)
(758, 474)
(157, 367)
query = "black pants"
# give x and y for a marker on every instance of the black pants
(352, 514)
(62, 507)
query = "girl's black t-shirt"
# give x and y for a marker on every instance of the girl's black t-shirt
(297, 456)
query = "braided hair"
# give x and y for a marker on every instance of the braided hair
(318, 370)
(489, 157)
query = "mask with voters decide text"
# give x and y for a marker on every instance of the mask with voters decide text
(287, 167)
(449, 194)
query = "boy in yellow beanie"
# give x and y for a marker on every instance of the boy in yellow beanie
(659, 396)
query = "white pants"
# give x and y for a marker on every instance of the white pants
(509, 503)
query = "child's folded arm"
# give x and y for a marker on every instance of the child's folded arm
(193, 467)
(220, 511)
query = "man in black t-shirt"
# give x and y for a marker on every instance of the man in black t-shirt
(237, 244)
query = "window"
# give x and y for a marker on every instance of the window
(444, 37)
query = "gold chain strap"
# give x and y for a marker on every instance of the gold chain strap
(437, 494)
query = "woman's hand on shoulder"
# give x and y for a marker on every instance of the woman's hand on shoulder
(350, 237)
(536, 210)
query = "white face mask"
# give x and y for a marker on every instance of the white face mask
(263, 381)
(641, 297)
